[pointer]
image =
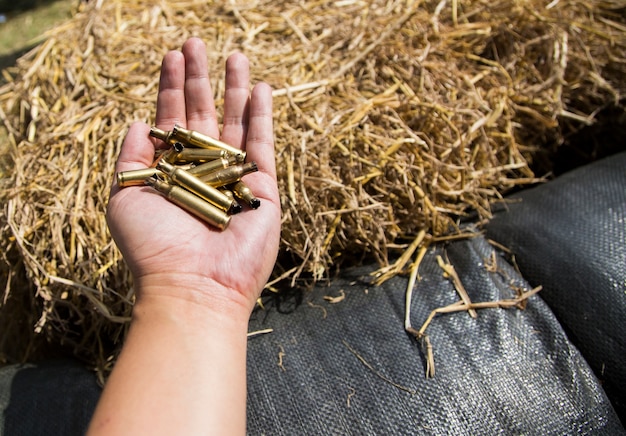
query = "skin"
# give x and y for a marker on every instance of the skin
(182, 369)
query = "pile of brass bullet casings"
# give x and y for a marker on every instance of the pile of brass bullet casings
(200, 174)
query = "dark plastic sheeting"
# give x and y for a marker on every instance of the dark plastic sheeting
(505, 372)
(51, 398)
(570, 236)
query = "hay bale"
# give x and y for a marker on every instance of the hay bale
(392, 118)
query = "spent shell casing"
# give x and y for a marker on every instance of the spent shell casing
(229, 175)
(236, 206)
(163, 135)
(204, 141)
(207, 167)
(200, 155)
(135, 177)
(171, 154)
(197, 186)
(191, 203)
(243, 192)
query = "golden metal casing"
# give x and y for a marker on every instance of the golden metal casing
(135, 177)
(191, 203)
(197, 186)
(204, 141)
(229, 175)
(242, 191)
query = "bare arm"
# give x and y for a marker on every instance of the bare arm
(182, 368)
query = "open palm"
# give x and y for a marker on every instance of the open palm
(167, 249)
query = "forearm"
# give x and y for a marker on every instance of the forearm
(181, 371)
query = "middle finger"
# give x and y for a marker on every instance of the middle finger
(200, 107)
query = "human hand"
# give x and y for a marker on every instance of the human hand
(170, 253)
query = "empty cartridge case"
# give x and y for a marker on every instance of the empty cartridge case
(191, 137)
(135, 177)
(208, 167)
(199, 155)
(242, 191)
(229, 175)
(204, 141)
(162, 135)
(191, 203)
(236, 208)
(197, 186)
(171, 154)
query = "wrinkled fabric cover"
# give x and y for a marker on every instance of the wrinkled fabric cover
(47, 399)
(569, 235)
(349, 368)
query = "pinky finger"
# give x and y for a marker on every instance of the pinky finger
(260, 137)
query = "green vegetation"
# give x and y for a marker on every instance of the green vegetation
(25, 23)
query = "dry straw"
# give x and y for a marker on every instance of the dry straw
(392, 120)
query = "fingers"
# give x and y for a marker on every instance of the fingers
(170, 108)
(137, 150)
(260, 137)
(185, 95)
(236, 100)
(200, 107)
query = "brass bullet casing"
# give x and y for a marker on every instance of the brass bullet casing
(200, 155)
(191, 203)
(229, 175)
(236, 206)
(164, 136)
(199, 140)
(135, 177)
(197, 186)
(243, 192)
(171, 154)
(191, 137)
(207, 167)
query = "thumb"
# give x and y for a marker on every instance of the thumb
(137, 149)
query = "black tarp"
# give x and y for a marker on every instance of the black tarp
(569, 235)
(350, 368)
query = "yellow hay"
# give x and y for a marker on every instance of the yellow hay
(391, 118)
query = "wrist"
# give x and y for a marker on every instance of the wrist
(193, 298)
